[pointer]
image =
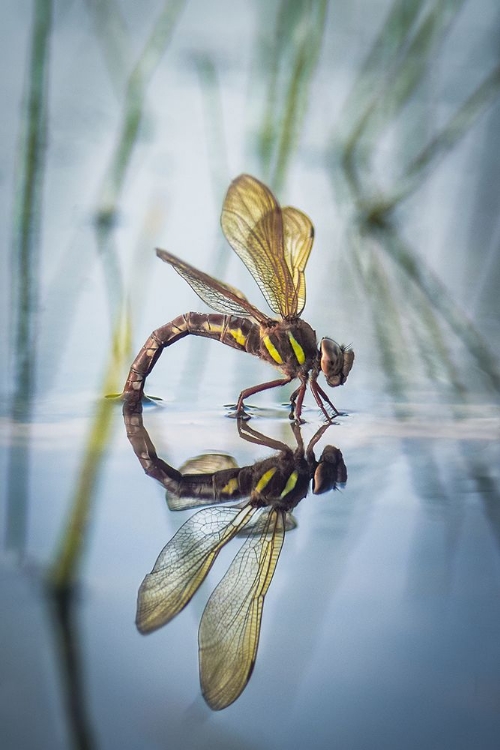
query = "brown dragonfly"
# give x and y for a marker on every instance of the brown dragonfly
(266, 493)
(274, 243)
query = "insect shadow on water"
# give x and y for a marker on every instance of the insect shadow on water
(274, 243)
(265, 494)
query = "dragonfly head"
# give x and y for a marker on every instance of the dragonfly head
(335, 361)
(330, 472)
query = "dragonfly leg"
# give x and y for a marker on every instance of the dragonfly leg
(296, 402)
(252, 436)
(320, 397)
(240, 409)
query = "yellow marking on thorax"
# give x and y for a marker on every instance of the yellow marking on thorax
(292, 481)
(297, 349)
(230, 487)
(238, 336)
(272, 350)
(265, 479)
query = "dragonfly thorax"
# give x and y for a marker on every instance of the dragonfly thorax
(290, 345)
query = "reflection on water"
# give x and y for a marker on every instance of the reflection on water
(270, 490)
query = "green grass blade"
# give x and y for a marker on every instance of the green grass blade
(113, 35)
(396, 89)
(458, 126)
(133, 108)
(65, 570)
(439, 299)
(70, 273)
(289, 62)
(387, 47)
(25, 263)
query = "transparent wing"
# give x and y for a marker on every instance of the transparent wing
(252, 222)
(299, 237)
(217, 295)
(184, 563)
(255, 525)
(208, 463)
(230, 626)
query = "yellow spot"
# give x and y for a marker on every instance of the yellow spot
(272, 350)
(238, 336)
(214, 328)
(297, 349)
(210, 327)
(230, 487)
(292, 481)
(265, 479)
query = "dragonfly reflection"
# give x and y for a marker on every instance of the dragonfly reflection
(267, 492)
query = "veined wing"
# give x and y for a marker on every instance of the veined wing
(230, 626)
(254, 226)
(217, 295)
(299, 237)
(184, 563)
(255, 526)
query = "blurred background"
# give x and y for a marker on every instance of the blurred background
(122, 126)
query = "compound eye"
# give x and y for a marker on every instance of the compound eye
(330, 472)
(335, 361)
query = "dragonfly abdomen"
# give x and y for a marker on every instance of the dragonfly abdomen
(239, 333)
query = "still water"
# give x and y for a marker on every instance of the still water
(379, 628)
(121, 132)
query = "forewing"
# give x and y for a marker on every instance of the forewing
(217, 295)
(298, 242)
(252, 222)
(184, 563)
(230, 626)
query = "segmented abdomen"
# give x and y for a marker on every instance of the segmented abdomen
(240, 333)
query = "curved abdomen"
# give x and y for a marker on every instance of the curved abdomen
(240, 333)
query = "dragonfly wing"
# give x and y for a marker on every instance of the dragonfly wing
(184, 563)
(208, 463)
(252, 222)
(255, 525)
(298, 242)
(230, 626)
(217, 295)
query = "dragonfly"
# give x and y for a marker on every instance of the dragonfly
(274, 243)
(265, 493)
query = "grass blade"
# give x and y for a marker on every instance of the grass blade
(65, 569)
(25, 264)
